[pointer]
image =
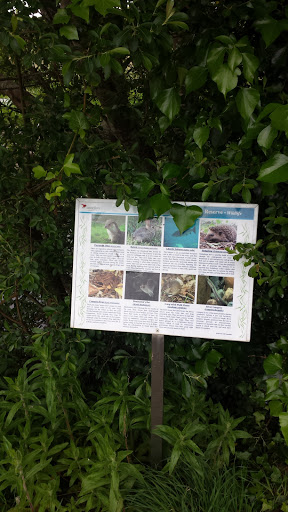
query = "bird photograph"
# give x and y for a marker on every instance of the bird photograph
(148, 232)
(108, 229)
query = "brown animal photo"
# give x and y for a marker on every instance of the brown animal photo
(108, 229)
(217, 234)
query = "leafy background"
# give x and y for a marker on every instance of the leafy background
(146, 103)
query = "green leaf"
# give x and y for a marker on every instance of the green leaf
(215, 58)
(15, 407)
(168, 101)
(279, 118)
(234, 59)
(61, 16)
(147, 62)
(103, 6)
(69, 167)
(206, 193)
(179, 24)
(267, 136)
(175, 455)
(250, 64)
(199, 185)
(170, 171)
(121, 50)
(145, 211)
(164, 123)
(201, 135)
(77, 120)
(142, 186)
(215, 123)
(160, 203)
(283, 420)
(82, 11)
(275, 170)
(20, 43)
(266, 110)
(225, 79)
(35, 469)
(273, 363)
(185, 216)
(14, 22)
(275, 407)
(195, 78)
(246, 101)
(270, 28)
(246, 195)
(70, 32)
(39, 172)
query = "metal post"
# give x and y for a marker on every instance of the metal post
(157, 396)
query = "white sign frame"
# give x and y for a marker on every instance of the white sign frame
(155, 283)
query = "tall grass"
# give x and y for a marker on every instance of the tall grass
(188, 491)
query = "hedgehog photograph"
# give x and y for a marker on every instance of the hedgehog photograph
(217, 235)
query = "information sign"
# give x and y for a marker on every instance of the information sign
(146, 277)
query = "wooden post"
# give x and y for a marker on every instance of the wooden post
(157, 369)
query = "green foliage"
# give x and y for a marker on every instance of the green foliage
(148, 103)
(186, 490)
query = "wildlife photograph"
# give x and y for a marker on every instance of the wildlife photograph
(142, 286)
(106, 284)
(217, 234)
(148, 232)
(178, 288)
(173, 237)
(215, 290)
(108, 229)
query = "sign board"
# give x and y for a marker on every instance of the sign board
(147, 278)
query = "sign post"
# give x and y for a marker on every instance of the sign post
(157, 373)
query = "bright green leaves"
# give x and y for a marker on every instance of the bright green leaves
(103, 6)
(225, 79)
(273, 364)
(61, 17)
(195, 78)
(121, 50)
(69, 167)
(267, 136)
(270, 28)
(39, 172)
(70, 32)
(201, 135)
(224, 59)
(185, 216)
(81, 10)
(275, 170)
(246, 101)
(168, 101)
